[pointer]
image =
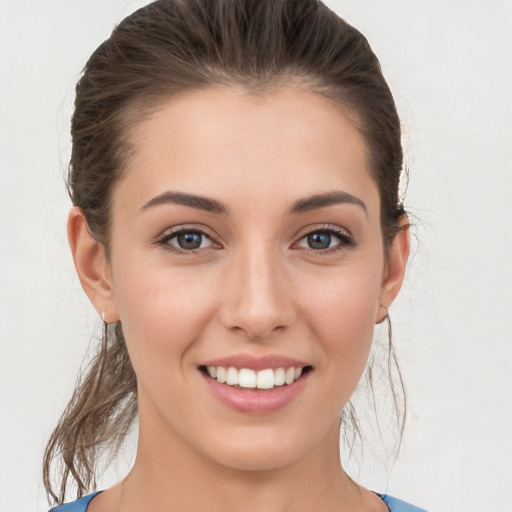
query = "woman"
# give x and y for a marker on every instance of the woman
(237, 226)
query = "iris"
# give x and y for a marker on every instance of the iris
(189, 240)
(319, 240)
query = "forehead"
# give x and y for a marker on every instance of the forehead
(226, 140)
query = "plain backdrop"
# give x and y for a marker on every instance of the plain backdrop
(448, 63)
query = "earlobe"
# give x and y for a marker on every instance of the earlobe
(395, 268)
(92, 265)
(382, 314)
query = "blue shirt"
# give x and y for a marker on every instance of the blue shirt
(81, 504)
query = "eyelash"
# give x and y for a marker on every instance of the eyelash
(174, 232)
(345, 240)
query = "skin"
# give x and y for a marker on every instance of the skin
(254, 287)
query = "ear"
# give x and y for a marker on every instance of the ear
(92, 266)
(394, 269)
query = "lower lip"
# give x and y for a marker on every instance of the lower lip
(256, 401)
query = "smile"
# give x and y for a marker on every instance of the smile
(256, 385)
(267, 378)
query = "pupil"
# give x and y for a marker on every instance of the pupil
(189, 240)
(319, 240)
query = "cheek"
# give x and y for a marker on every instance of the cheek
(347, 301)
(162, 312)
(342, 313)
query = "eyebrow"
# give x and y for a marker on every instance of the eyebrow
(212, 205)
(328, 199)
(191, 200)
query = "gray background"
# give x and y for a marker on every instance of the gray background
(448, 64)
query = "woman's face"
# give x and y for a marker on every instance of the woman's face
(246, 235)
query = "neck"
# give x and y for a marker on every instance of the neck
(172, 476)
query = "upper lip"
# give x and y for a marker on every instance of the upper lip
(273, 361)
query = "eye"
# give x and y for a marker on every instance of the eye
(186, 240)
(326, 240)
(319, 240)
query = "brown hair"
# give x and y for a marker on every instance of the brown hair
(158, 52)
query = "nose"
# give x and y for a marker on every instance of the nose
(258, 297)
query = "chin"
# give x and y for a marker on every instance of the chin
(257, 460)
(257, 452)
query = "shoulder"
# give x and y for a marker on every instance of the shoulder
(80, 505)
(396, 505)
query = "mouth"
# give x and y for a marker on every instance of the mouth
(256, 385)
(265, 379)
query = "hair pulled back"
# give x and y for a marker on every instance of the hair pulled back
(174, 46)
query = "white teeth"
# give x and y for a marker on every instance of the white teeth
(265, 379)
(232, 376)
(279, 377)
(221, 374)
(247, 378)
